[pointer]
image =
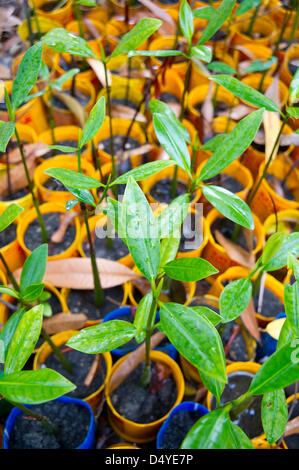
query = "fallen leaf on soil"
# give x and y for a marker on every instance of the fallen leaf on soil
(17, 177)
(99, 70)
(271, 121)
(93, 370)
(125, 112)
(65, 220)
(235, 252)
(159, 12)
(30, 150)
(73, 105)
(137, 151)
(64, 321)
(292, 427)
(250, 321)
(239, 111)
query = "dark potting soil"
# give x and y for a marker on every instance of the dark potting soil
(237, 350)
(118, 142)
(144, 405)
(161, 190)
(249, 420)
(227, 182)
(8, 235)
(271, 304)
(202, 287)
(226, 228)
(33, 235)
(118, 250)
(179, 426)
(219, 35)
(168, 98)
(81, 97)
(71, 419)
(49, 6)
(15, 195)
(261, 147)
(82, 301)
(274, 181)
(220, 107)
(175, 290)
(292, 441)
(293, 66)
(53, 301)
(80, 363)
(54, 185)
(67, 143)
(124, 102)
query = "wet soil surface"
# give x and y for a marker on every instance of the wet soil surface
(284, 191)
(54, 185)
(179, 426)
(202, 287)
(8, 235)
(237, 350)
(226, 228)
(33, 235)
(293, 66)
(168, 98)
(161, 190)
(144, 405)
(227, 182)
(81, 97)
(82, 301)
(15, 195)
(71, 419)
(80, 363)
(250, 419)
(271, 304)
(118, 250)
(118, 142)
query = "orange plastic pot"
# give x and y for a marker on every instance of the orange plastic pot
(281, 53)
(221, 125)
(170, 83)
(254, 80)
(123, 445)
(136, 432)
(123, 92)
(285, 74)
(60, 339)
(30, 216)
(62, 133)
(283, 218)
(97, 26)
(119, 6)
(71, 163)
(45, 25)
(31, 113)
(3, 308)
(98, 13)
(216, 254)
(255, 51)
(263, 26)
(62, 15)
(266, 196)
(64, 117)
(118, 65)
(95, 223)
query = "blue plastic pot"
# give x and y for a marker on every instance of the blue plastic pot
(121, 312)
(86, 444)
(184, 406)
(270, 343)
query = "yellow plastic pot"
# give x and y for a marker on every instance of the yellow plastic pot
(27, 136)
(45, 25)
(221, 125)
(258, 51)
(64, 117)
(262, 204)
(216, 254)
(120, 127)
(60, 339)
(62, 133)
(240, 173)
(71, 163)
(285, 74)
(122, 92)
(281, 53)
(254, 80)
(117, 66)
(73, 27)
(262, 25)
(98, 13)
(170, 82)
(119, 6)
(31, 113)
(136, 432)
(95, 222)
(62, 15)
(30, 216)
(283, 217)
(238, 272)
(123, 445)
(163, 43)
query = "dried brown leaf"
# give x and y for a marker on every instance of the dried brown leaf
(64, 321)
(125, 112)
(292, 427)
(235, 252)
(99, 70)
(65, 220)
(30, 150)
(73, 105)
(17, 177)
(249, 319)
(271, 121)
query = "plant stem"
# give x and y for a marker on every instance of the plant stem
(286, 19)
(29, 26)
(51, 120)
(36, 21)
(78, 16)
(252, 21)
(9, 273)
(174, 182)
(110, 128)
(294, 25)
(30, 186)
(46, 422)
(146, 374)
(57, 352)
(186, 88)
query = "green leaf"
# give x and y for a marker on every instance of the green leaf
(290, 246)
(293, 264)
(144, 171)
(141, 317)
(28, 72)
(230, 205)
(60, 40)
(213, 385)
(24, 339)
(272, 246)
(34, 267)
(141, 231)
(83, 195)
(280, 370)
(134, 38)
(103, 337)
(32, 292)
(2, 351)
(7, 129)
(157, 106)
(294, 87)
(168, 249)
(203, 53)
(94, 122)
(208, 314)
(113, 211)
(63, 148)
(7, 332)
(70, 204)
(34, 386)
(170, 220)
(245, 6)
(48, 312)
(9, 291)
(9, 215)
(291, 303)
(221, 67)
(274, 415)
(73, 179)
(211, 431)
(213, 144)
(189, 269)
(245, 92)
(195, 338)
(233, 145)
(292, 111)
(87, 3)
(234, 298)
(260, 65)
(64, 78)
(217, 20)
(186, 21)
(157, 53)
(172, 142)
(204, 13)
(239, 438)
(286, 335)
